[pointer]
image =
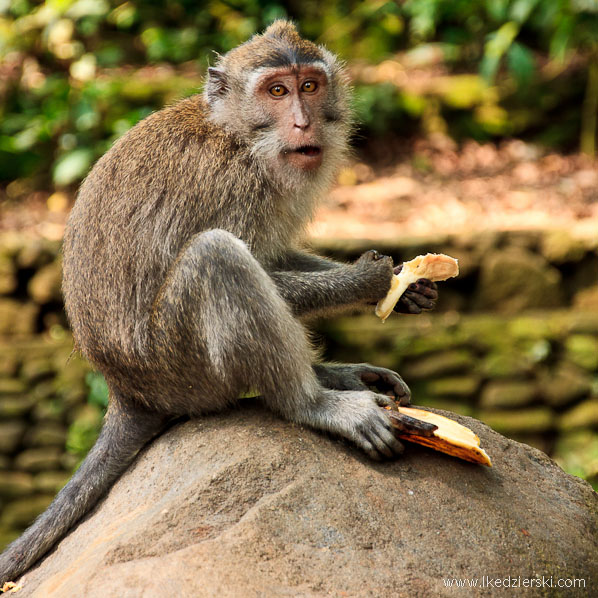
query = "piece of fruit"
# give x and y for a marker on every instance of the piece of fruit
(450, 437)
(434, 266)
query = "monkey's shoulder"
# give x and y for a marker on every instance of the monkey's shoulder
(168, 142)
(174, 128)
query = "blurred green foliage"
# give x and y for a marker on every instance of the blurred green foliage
(76, 74)
(84, 431)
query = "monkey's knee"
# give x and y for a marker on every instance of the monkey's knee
(218, 242)
(217, 285)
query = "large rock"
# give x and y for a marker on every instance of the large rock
(246, 505)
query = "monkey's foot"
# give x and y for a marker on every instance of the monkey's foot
(357, 416)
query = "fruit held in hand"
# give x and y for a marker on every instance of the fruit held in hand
(433, 266)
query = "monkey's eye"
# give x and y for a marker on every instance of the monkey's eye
(309, 86)
(278, 91)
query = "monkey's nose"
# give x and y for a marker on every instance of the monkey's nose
(300, 118)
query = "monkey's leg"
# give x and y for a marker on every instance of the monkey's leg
(244, 336)
(125, 432)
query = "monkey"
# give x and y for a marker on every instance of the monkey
(185, 277)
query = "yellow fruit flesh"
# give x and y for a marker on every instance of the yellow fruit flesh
(450, 437)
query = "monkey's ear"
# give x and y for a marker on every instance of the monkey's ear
(217, 85)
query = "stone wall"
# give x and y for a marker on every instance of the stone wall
(531, 375)
(43, 406)
(501, 272)
(533, 378)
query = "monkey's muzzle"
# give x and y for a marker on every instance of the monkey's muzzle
(305, 157)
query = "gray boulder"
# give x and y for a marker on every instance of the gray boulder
(245, 505)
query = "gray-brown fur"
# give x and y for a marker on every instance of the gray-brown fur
(184, 280)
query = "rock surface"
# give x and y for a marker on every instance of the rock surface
(246, 505)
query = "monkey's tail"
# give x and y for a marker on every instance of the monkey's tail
(124, 433)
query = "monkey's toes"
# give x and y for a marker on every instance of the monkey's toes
(380, 442)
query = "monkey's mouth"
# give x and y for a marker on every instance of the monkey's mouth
(305, 157)
(309, 150)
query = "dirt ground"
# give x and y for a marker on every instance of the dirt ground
(432, 187)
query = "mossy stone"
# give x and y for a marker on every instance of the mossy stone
(583, 415)
(509, 364)
(515, 279)
(560, 246)
(46, 434)
(456, 386)
(45, 285)
(439, 364)
(7, 535)
(8, 275)
(577, 453)
(11, 433)
(37, 369)
(50, 481)
(564, 384)
(17, 318)
(15, 484)
(453, 406)
(582, 350)
(11, 386)
(15, 406)
(39, 459)
(21, 513)
(497, 394)
(517, 421)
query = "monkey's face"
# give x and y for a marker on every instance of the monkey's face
(289, 112)
(287, 100)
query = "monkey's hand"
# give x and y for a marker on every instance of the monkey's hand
(376, 272)
(419, 296)
(361, 376)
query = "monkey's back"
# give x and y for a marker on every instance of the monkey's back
(137, 208)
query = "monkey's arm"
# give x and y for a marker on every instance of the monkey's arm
(303, 261)
(363, 282)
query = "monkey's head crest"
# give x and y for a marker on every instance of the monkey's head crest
(280, 45)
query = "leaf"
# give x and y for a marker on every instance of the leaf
(497, 45)
(521, 10)
(488, 67)
(561, 39)
(521, 63)
(72, 166)
(98, 389)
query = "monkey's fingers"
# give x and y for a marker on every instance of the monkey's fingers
(420, 295)
(379, 439)
(409, 425)
(407, 305)
(388, 382)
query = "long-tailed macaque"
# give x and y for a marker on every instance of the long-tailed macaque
(184, 281)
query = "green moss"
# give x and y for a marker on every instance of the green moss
(582, 350)
(583, 415)
(498, 394)
(457, 386)
(439, 364)
(536, 419)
